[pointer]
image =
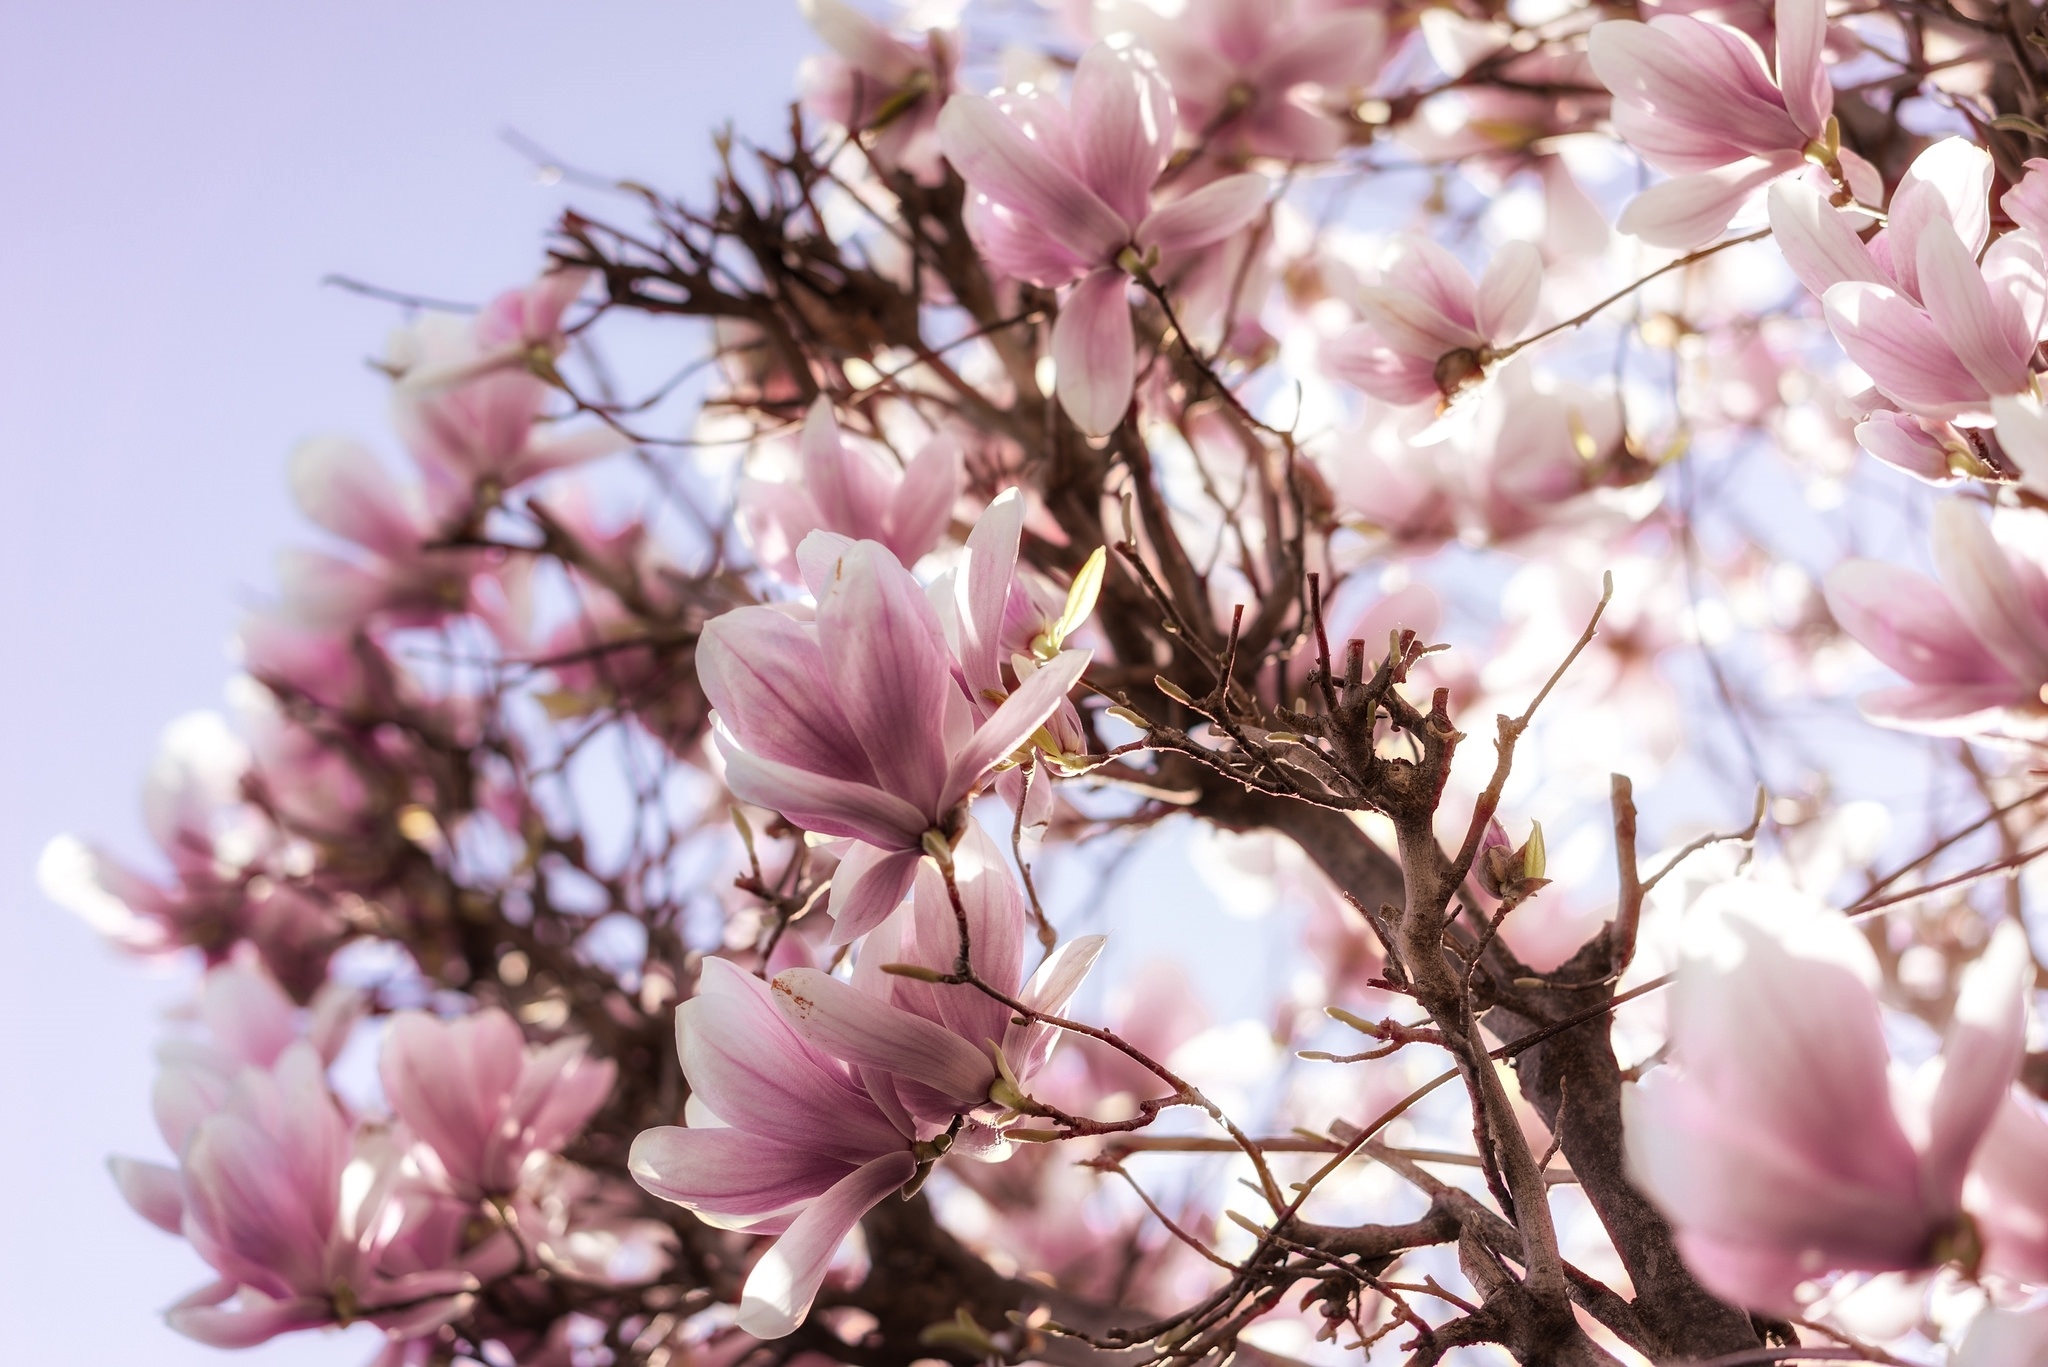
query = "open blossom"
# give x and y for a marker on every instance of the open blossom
(1065, 194)
(398, 573)
(853, 724)
(1698, 100)
(1428, 329)
(930, 1051)
(854, 491)
(1242, 72)
(1974, 647)
(470, 399)
(874, 82)
(782, 1139)
(485, 1102)
(1773, 1141)
(1941, 332)
(274, 1201)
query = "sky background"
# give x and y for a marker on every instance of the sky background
(176, 181)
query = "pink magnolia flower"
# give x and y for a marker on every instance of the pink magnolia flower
(1974, 648)
(1773, 1142)
(487, 1104)
(470, 394)
(343, 487)
(271, 1202)
(1428, 330)
(247, 1022)
(1064, 195)
(1934, 452)
(854, 491)
(853, 724)
(1240, 69)
(1940, 333)
(782, 1139)
(1699, 101)
(929, 1051)
(876, 83)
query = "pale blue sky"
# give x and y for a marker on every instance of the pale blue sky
(176, 179)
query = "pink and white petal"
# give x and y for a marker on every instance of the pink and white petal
(922, 510)
(868, 885)
(2027, 202)
(766, 675)
(2023, 435)
(780, 1289)
(1817, 241)
(760, 1077)
(1754, 1276)
(1052, 986)
(550, 447)
(344, 488)
(995, 158)
(1980, 1059)
(1802, 74)
(1983, 330)
(1094, 352)
(153, 1191)
(1951, 180)
(729, 1172)
(1017, 247)
(1339, 50)
(1906, 621)
(1988, 595)
(248, 1014)
(257, 1320)
(2008, 1191)
(1022, 713)
(869, 47)
(1123, 126)
(887, 664)
(1209, 215)
(985, 590)
(1943, 709)
(1358, 357)
(1901, 350)
(868, 1032)
(819, 802)
(844, 489)
(1692, 209)
(1508, 292)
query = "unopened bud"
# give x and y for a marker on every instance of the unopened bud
(1172, 690)
(916, 971)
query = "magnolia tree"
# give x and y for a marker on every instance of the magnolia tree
(1015, 735)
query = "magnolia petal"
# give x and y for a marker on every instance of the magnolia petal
(984, 591)
(1692, 209)
(780, 1289)
(1123, 126)
(994, 157)
(1900, 348)
(1094, 352)
(923, 506)
(342, 485)
(1210, 214)
(870, 1033)
(1981, 1057)
(759, 1076)
(889, 668)
(819, 803)
(217, 1325)
(1905, 620)
(1802, 75)
(729, 1172)
(1818, 243)
(1021, 714)
(1987, 593)
(1983, 331)
(1508, 291)
(869, 884)
(152, 1190)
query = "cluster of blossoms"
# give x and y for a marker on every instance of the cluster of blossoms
(668, 831)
